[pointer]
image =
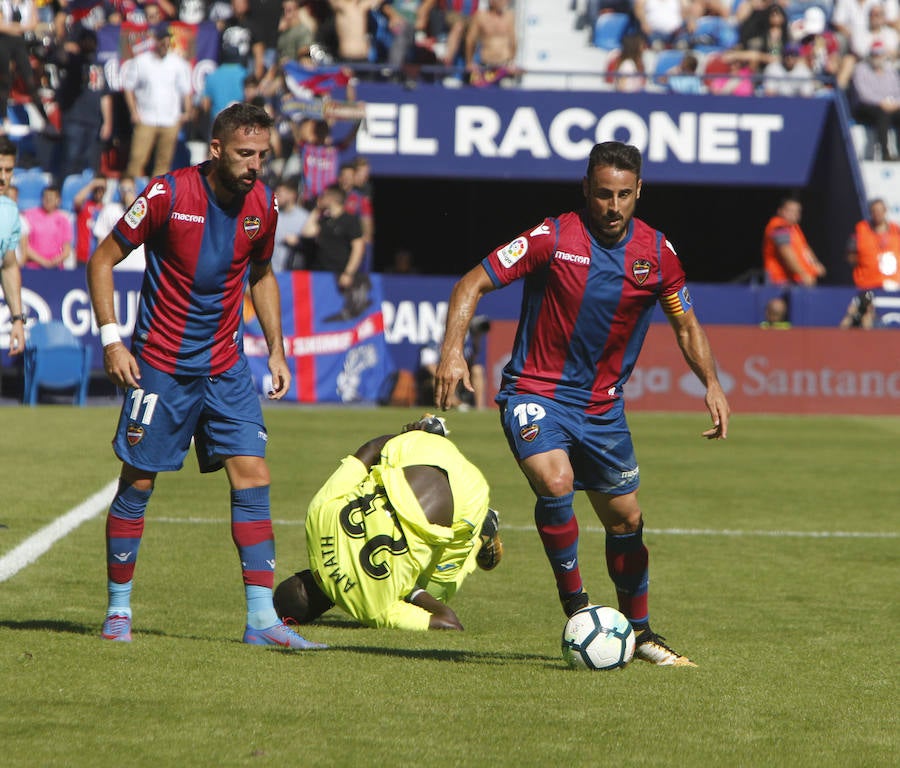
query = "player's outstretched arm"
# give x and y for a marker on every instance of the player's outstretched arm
(696, 350)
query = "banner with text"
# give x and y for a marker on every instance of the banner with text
(522, 134)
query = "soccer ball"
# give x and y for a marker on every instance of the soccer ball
(598, 637)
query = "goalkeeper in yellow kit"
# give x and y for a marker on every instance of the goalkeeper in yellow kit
(394, 532)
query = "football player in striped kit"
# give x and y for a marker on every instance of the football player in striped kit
(208, 233)
(592, 278)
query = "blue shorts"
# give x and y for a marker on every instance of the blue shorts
(599, 445)
(222, 413)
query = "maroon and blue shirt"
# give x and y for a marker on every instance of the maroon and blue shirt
(586, 308)
(198, 256)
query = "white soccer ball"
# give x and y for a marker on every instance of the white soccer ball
(598, 638)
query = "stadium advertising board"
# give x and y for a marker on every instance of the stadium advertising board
(825, 369)
(800, 370)
(522, 134)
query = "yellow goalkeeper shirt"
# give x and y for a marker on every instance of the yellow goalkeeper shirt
(369, 542)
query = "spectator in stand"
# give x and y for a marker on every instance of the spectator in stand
(852, 20)
(223, 86)
(363, 180)
(85, 102)
(109, 216)
(765, 29)
(88, 202)
(876, 28)
(243, 40)
(407, 19)
(660, 20)
(50, 233)
(339, 243)
(491, 44)
(266, 16)
(819, 47)
(358, 204)
(295, 35)
(876, 83)
(157, 88)
(739, 81)
(351, 24)
(874, 250)
(787, 257)
(630, 68)
(452, 19)
(789, 76)
(319, 156)
(683, 78)
(18, 18)
(339, 248)
(288, 251)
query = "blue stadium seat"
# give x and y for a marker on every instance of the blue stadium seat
(715, 34)
(55, 360)
(71, 185)
(30, 183)
(665, 60)
(609, 29)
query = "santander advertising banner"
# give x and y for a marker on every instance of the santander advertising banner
(800, 370)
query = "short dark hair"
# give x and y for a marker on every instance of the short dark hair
(7, 146)
(240, 115)
(615, 154)
(299, 598)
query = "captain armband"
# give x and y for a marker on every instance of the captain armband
(678, 303)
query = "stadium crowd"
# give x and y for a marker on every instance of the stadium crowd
(103, 90)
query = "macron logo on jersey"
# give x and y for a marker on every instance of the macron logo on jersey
(543, 229)
(191, 217)
(572, 257)
(157, 189)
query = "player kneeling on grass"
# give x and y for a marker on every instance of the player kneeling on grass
(393, 533)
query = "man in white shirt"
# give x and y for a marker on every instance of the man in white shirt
(157, 88)
(109, 216)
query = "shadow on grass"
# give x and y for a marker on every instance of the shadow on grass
(52, 625)
(452, 655)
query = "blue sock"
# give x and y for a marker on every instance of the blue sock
(260, 609)
(119, 598)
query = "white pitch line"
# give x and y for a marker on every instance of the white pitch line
(598, 529)
(38, 543)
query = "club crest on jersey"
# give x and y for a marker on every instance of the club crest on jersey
(529, 432)
(136, 213)
(134, 434)
(251, 226)
(510, 254)
(641, 270)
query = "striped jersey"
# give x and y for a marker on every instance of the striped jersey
(198, 255)
(319, 164)
(586, 308)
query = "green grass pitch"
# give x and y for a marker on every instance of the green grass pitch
(774, 565)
